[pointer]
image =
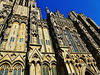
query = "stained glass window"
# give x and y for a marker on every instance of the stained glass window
(19, 72)
(12, 39)
(21, 40)
(79, 42)
(15, 71)
(54, 72)
(41, 41)
(1, 73)
(6, 72)
(46, 42)
(71, 40)
(45, 70)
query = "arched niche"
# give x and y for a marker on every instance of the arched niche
(46, 69)
(54, 69)
(38, 68)
(23, 26)
(4, 69)
(86, 70)
(15, 24)
(17, 69)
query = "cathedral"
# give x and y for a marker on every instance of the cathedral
(30, 45)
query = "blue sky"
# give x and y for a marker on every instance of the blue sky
(90, 8)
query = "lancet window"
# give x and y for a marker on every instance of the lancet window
(45, 70)
(54, 71)
(4, 69)
(17, 70)
(71, 40)
(79, 42)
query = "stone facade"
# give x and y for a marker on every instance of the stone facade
(53, 46)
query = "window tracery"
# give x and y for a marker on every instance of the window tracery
(4, 69)
(71, 40)
(17, 70)
(45, 70)
(54, 71)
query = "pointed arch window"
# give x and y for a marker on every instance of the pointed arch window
(6, 72)
(17, 70)
(1, 72)
(47, 42)
(79, 42)
(54, 71)
(45, 70)
(12, 39)
(4, 69)
(71, 40)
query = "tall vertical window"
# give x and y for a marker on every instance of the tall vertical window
(1, 72)
(17, 70)
(47, 42)
(21, 40)
(79, 42)
(41, 41)
(4, 70)
(54, 72)
(12, 39)
(45, 70)
(71, 40)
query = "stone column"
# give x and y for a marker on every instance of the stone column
(96, 69)
(22, 72)
(72, 68)
(38, 69)
(68, 68)
(77, 70)
(10, 71)
(32, 69)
